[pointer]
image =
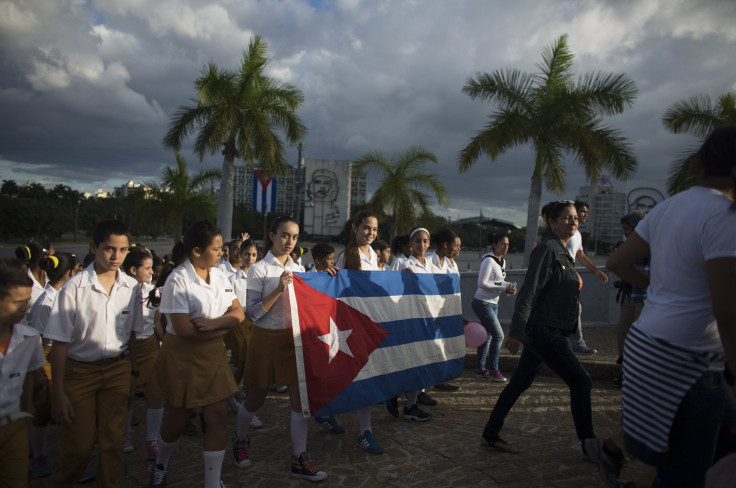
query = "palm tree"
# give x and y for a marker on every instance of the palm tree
(238, 112)
(401, 193)
(697, 116)
(557, 116)
(180, 195)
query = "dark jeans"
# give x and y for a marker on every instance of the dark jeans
(546, 345)
(693, 436)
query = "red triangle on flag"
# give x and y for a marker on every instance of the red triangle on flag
(263, 178)
(336, 342)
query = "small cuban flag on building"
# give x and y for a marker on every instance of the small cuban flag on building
(264, 192)
(362, 337)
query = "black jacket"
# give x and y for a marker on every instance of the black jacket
(550, 293)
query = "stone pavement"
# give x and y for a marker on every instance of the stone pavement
(442, 452)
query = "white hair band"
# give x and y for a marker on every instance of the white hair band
(418, 229)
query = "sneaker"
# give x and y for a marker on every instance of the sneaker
(609, 467)
(240, 452)
(330, 424)
(281, 389)
(425, 399)
(369, 444)
(40, 467)
(392, 407)
(158, 476)
(484, 373)
(584, 350)
(89, 473)
(415, 413)
(151, 450)
(302, 469)
(446, 387)
(255, 422)
(190, 429)
(128, 444)
(497, 376)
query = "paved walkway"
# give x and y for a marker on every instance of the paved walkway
(442, 452)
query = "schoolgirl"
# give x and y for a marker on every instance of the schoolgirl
(57, 268)
(383, 251)
(192, 369)
(416, 263)
(272, 358)
(31, 254)
(139, 265)
(401, 249)
(231, 265)
(360, 255)
(241, 333)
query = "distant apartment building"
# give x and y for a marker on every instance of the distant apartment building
(130, 188)
(607, 206)
(306, 189)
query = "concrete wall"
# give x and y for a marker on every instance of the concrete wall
(598, 299)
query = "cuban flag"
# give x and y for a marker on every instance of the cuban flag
(364, 336)
(264, 192)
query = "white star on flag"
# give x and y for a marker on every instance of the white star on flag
(337, 340)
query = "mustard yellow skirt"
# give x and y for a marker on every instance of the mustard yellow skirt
(190, 373)
(271, 358)
(146, 351)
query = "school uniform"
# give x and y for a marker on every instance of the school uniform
(24, 354)
(192, 373)
(37, 318)
(147, 344)
(239, 336)
(227, 268)
(97, 327)
(398, 263)
(446, 267)
(37, 290)
(272, 359)
(413, 264)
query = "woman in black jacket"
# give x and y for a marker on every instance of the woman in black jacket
(546, 312)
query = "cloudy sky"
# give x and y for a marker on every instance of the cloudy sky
(87, 87)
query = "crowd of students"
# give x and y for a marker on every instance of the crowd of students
(76, 341)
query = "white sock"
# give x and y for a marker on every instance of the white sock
(38, 440)
(411, 399)
(243, 423)
(154, 416)
(129, 422)
(165, 450)
(212, 468)
(364, 419)
(299, 428)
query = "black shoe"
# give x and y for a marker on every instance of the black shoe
(415, 413)
(392, 407)
(190, 429)
(425, 399)
(158, 476)
(447, 387)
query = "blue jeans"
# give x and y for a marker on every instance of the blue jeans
(488, 315)
(546, 345)
(693, 436)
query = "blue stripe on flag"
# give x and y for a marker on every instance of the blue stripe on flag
(392, 283)
(421, 329)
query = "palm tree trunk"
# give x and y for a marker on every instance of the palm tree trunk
(225, 199)
(532, 217)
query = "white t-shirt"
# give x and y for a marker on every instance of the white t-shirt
(575, 244)
(263, 278)
(684, 232)
(24, 354)
(96, 325)
(185, 292)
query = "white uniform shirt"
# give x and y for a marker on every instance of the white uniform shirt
(575, 244)
(147, 328)
(185, 292)
(678, 308)
(96, 325)
(263, 278)
(413, 264)
(239, 281)
(446, 267)
(24, 354)
(36, 291)
(367, 263)
(40, 311)
(227, 268)
(399, 263)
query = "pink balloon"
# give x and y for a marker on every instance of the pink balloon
(475, 334)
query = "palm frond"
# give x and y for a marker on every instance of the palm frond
(557, 63)
(696, 115)
(684, 172)
(607, 93)
(510, 88)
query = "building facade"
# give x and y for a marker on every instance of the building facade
(606, 206)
